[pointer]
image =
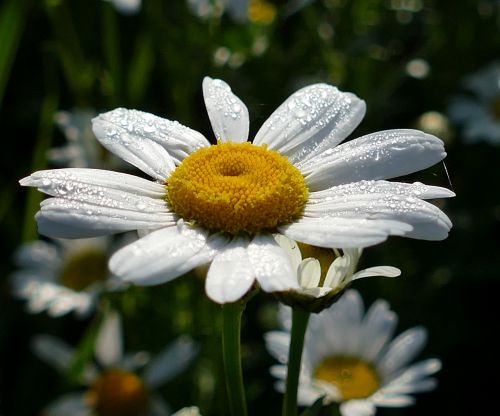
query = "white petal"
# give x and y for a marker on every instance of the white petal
(62, 218)
(38, 255)
(227, 113)
(402, 350)
(357, 408)
(148, 142)
(383, 400)
(172, 361)
(409, 378)
(426, 221)
(309, 273)
(108, 344)
(73, 404)
(231, 274)
(310, 121)
(384, 271)
(272, 267)
(290, 248)
(53, 351)
(377, 329)
(278, 343)
(164, 254)
(418, 386)
(382, 155)
(343, 232)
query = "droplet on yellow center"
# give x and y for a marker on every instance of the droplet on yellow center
(84, 269)
(354, 378)
(118, 393)
(235, 187)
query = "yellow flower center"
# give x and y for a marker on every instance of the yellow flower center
(353, 377)
(84, 269)
(118, 393)
(261, 11)
(235, 187)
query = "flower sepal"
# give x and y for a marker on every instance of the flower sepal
(309, 302)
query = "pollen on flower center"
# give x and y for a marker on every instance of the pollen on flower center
(84, 269)
(118, 393)
(235, 187)
(353, 377)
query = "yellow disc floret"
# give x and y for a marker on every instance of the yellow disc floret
(118, 393)
(353, 377)
(235, 187)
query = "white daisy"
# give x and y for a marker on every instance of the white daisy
(479, 112)
(322, 274)
(349, 358)
(63, 276)
(114, 386)
(220, 204)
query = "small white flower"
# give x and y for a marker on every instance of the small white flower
(115, 386)
(188, 411)
(479, 112)
(63, 275)
(220, 204)
(126, 6)
(349, 358)
(324, 273)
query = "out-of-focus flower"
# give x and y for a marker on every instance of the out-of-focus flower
(433, 122)
(82, 150)
(188, 411)
(349, 358)
(120, 384)
(324, 273)
(126, 6)
(63, 275)
(478, 113)
(220, 204)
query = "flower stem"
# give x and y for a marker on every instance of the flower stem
(300, 318)
(231, 322)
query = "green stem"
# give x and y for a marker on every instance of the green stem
(300, 318)
(231, 322)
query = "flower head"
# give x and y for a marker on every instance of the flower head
(220, 204)
(64, 275)
(349, 358)
(323, 274)
(115, 387)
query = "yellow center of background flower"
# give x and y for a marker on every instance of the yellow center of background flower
(235, 187)
(84, 268)
(118, 393)
(354, 378)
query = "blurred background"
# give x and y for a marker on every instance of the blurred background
(430, 65)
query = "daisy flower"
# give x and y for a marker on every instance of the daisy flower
(323, 274)
(220, 204)
(63, 276)
(350, 358)
(115, 387)
(479, 112)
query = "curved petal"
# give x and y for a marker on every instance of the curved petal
(231, 274)
(108, 344)
(278, 343)
(389, 400)
(62, 218)
(310, 121)
(290, 248)
(426, 220)
(164, 254)
(272, 267)
(382, 155)
(357, 408)
(414, 378)
(172, 361)
(227, 113)
(383, 271)
(377, 329)
(402, 350)
(343, 232)
(53, 351)
(148, 142)
(309, 273)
